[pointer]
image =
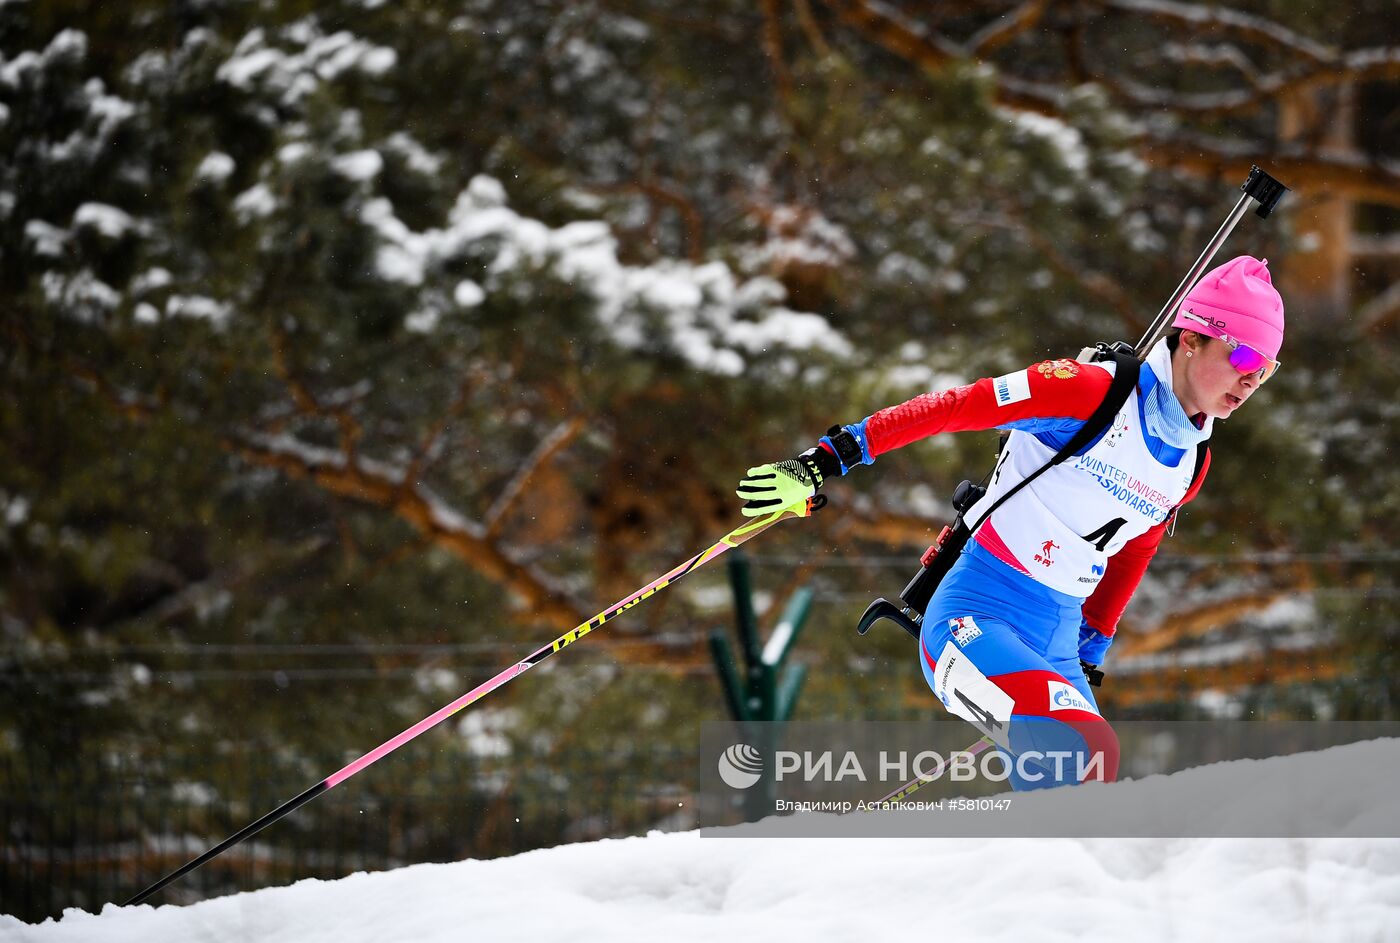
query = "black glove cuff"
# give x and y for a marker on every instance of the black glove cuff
(821, 463)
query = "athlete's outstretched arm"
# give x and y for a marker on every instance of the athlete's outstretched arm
(1042, 397)
(1053, 390)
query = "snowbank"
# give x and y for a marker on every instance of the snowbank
(682, 887)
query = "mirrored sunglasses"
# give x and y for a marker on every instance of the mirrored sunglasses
(1243, 358)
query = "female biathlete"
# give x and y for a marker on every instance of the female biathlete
(1043, 581)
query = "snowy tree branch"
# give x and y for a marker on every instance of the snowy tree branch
(1321, 65)
(381, 485)
(660, 193)
(909, 41)
(1353, 176)
(1198, 19)
(1376, 247)
(1192, 623)
(1097, 284)
(1381, 311)
(810, 29)
(402, 552)
(186, 598)
(127, 403)
(1218, 56)
(1001, 31)
(1266, 88)
(1157, 679)
(1322, 171)
(307, 401)
(557, 440)
(431, 447)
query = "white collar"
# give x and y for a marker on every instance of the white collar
(1159, 359)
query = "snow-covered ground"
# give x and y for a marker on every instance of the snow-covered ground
(684, 887)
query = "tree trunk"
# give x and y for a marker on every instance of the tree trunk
(1317, 280)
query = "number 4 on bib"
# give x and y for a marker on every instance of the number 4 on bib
(1104, 535)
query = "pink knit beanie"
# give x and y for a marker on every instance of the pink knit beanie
(1239, 299)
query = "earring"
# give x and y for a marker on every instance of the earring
(1188, 353)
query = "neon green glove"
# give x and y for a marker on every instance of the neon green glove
(779, 485)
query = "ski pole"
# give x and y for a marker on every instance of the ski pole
(732, 539)
(903, 792)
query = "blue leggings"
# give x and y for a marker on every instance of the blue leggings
(1002, 652)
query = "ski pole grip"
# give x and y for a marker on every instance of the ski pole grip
(1264, 189)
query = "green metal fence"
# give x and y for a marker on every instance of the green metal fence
(85, 834)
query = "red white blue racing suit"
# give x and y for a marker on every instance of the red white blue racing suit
(1001, 640)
